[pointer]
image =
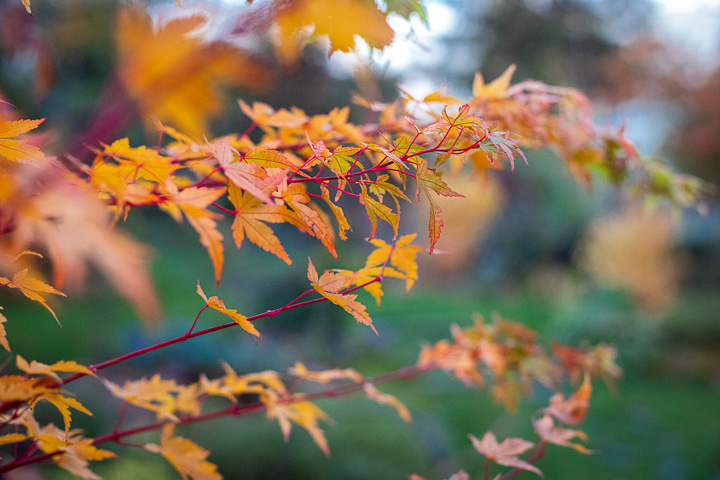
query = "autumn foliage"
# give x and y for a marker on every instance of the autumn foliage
(62, 214)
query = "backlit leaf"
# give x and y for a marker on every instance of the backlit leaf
(188, 458)
(217, 304)
(18, 150)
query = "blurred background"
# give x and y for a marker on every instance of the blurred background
(580, 267)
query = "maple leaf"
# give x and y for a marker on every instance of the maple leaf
(217, 304)
(387, 399)
(38, 368)
(3, 332)
(402, 256)
(329, 285)
(155, 394)
(572, 410)
(428, 180)
(250, 215)
(26, 4)
(325, 376)
(343, 224)
(32, 288)
(12, 438)
(192, 201)
(505, 453)
(340, 20)
(17, 150)
(76, 450)
(305, 414)
(377, 209)
(316, 222)
(188, 458)
(244, 175)
(495, 89)
(368, 274)
(175, 75)
(546, 429)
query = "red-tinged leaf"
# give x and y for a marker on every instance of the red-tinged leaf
(317, 224)
(3, 333)
(392, 156)
(32, 288)
(250, 213)
(188, 458)
(429, 180)
(330, 281)
(546, 429)
(217, 304)
(387, 399)
(271, 159)
(505, 453)
(18, 150)
(343, 225)
(377, 210)
(245, 175)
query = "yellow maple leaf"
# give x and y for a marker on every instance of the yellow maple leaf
(217, 304)
(340, 20)
(32, 288)
(155, 394)
(38, 368)
(188, 458)
(17, 150)
(402, 256)
(329, 284)
(495, 89)
(306, 415)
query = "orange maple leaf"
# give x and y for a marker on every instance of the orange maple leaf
(387, 399)
(173, 73)
(428, 180)
(188, 458)
(17, 150)
(330, 284)
(325, 376)
(3, 332)
(193, 202)
(217, 304)
(495, 89)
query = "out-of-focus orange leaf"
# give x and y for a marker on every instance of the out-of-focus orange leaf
(402, 256)
(340, 20)
(505, 453)
(18, 150)
(173, 73)
(188, 458)
(26, 3)
(387, 399)
(496, 88)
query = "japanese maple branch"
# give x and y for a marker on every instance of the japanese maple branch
(190, 334)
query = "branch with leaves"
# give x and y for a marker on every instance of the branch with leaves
(63, 215)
